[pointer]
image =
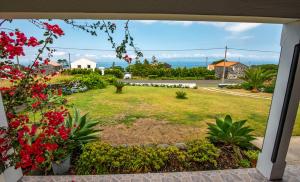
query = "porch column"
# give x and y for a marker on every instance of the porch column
(283, 111)
(10, 174)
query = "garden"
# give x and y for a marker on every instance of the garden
(86, 124)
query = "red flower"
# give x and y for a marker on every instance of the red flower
(46, 61)
(127, 59)
(36, 64)
(51, 146)
(63, 132)
(59, 92)
(32, 42)
(36, 104)
(39, 159)
(14, 124)
(54, 28)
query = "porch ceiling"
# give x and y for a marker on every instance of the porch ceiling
(272, 11)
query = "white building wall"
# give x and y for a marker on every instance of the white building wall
(83, 63)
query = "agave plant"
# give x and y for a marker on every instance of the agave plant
(230, 133)
(256, 77)
(181, 95)
(84, 130)
(119, 86)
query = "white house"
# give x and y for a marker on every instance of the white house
(83, 63)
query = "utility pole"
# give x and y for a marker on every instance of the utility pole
(69, 60)
(224, 68)
(206, 61)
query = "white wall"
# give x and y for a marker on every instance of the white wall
(83, 63)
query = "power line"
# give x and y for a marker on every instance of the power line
(252, 50)
(164, 50)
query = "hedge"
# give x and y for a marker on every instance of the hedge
(102, 158)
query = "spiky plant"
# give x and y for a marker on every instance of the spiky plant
(256, 77)
(181, 95)
(119, 86)
(84, 130)
(230, 133)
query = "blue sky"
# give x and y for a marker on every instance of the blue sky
(152, 34)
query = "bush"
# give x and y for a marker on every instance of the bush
(152, 76)
(163, 71)
(269, 88)
(102, 158)
(115, 72)
(245, 163)
(246, 86)
(76, 71)
(181, 95)
(251, 154)
(210, 77)
(227, 132)
(110, 79)
(237, 86)
(201, 151)
(92, 81)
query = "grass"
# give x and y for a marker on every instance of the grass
(160, 104)
(61, 78)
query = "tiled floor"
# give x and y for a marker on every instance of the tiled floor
(292, 174)
(293, 155)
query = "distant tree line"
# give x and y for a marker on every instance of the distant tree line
(156, 69)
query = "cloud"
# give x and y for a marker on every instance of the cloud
(59, 53)
(239, 37)
(233, 27)
(90, 55)
(184, 23)
(147, 21)
(227, 26)
(241, 27)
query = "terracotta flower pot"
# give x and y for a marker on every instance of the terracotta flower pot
(62, 167)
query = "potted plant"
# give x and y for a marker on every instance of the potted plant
(62, 161)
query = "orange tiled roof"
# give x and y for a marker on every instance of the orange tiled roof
(227, 63)
(53, 63)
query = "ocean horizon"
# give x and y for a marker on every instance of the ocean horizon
(175, 63)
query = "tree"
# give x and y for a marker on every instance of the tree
(154, 60)
(146, 62)
(63, 62)
(256, 77)
(113, 65)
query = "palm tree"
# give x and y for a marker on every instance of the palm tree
(256, 77)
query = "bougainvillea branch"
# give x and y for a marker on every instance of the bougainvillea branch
(33, 143)
(109, 28)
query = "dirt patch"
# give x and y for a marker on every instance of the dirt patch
(147, 130)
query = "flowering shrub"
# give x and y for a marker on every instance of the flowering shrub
(39, 135)
(4, 145)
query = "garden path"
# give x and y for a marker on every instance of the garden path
(236, 93)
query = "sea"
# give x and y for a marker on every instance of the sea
(181, 62)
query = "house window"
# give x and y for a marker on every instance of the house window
(88, 66)
(78, 66)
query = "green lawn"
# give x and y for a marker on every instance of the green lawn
(160, 104)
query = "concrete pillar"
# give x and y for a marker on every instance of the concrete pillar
(10, 174)
(271, 161)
